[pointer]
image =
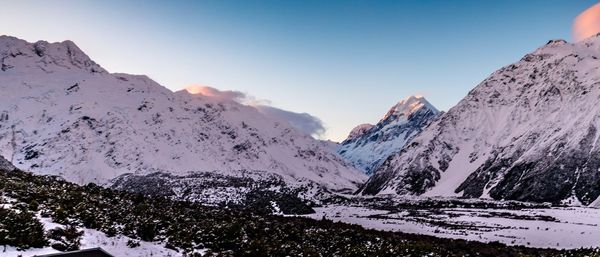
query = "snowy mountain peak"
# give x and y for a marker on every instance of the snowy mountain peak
(368, 145)
(19, 54)
(555, 42)
(528, 132)
(409, 105)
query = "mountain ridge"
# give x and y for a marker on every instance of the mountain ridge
(63, 114)
(367, 146)
(527, 133)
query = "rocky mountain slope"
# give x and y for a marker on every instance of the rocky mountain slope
(368, 145)
(528, 132)
(62, 114)
(5, 164)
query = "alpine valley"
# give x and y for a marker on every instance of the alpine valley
(90, 158)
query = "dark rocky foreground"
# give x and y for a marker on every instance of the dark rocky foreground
(187, 226)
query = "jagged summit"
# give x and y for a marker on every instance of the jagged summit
(408, 106)
(368, 145)
(556, 42)
(48, 57)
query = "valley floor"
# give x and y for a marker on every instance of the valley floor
(539, 227)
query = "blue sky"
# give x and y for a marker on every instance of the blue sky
(345, 62)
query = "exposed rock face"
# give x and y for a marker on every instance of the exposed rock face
(368, 145)
(528, 132)
(5, 165)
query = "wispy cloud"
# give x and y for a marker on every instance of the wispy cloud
(302, 122)
(220, 94)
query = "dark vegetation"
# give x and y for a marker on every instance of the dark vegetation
(258, 195)
(187, 226)
(395, 204)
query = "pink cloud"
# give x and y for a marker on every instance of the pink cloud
(213, 92)
(302, 122)
(587, 23)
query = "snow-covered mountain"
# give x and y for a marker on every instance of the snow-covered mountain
(63, 114)
(528, 132)
(368, 145)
